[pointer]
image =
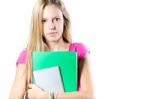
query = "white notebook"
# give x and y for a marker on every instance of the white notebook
(49, 79)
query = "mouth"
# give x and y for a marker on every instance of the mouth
(52, 33)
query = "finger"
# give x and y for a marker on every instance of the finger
(30, 86)
(28, 91)
(28, 95)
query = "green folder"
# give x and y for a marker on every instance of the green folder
(67, 62)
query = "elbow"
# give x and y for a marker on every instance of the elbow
(89, 95)
(15, 96)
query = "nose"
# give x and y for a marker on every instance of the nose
(51, 26)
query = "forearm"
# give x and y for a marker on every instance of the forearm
(72, 95)
(75, 95)
(17, 92)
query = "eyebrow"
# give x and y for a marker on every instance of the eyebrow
(53, 17)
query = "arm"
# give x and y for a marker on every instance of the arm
(19, 85)
(85, 92)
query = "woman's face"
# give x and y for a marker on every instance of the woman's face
(53, 23)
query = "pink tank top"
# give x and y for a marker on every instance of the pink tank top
(79, 48)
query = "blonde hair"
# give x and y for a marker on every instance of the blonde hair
(36, 40)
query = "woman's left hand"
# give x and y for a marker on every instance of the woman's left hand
(35, 92)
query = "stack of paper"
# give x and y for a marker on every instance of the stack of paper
(49, 79)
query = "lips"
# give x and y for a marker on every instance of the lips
(52, 33)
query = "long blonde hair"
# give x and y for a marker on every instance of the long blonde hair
(36, 40)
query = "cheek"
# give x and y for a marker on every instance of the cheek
(61, 27)
(45, 29)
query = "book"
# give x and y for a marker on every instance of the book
(49, 79)
(67, 62)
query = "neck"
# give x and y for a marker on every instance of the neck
(59, 45)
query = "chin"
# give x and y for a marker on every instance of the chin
(53, 40)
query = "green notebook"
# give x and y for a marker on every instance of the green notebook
(67, 62)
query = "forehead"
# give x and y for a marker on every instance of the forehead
(51, 11)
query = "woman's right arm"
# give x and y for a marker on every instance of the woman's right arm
(19, 84)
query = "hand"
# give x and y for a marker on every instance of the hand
(35, 92)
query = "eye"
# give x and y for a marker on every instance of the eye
(43, 20)
(57, 19)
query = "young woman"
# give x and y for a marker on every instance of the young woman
(50, 31)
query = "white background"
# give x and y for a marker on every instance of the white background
(117, 33)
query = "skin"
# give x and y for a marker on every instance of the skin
(53, 22)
